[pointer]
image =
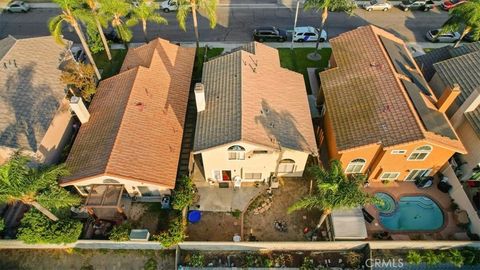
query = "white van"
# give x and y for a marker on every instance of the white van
(169, 5)
(308, 34)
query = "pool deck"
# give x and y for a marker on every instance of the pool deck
(449, 231)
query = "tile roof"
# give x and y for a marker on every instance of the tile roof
(366, 99)
(137, 118)
(30, 90)
(250, 97)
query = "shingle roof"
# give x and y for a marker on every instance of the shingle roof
(137, 118)
(250, 97)
(30, 90)
(366, 99)
(426, 61)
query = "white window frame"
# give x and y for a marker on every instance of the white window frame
(286, 166)
(418, 152)
(214, 173)
(252, 176)
(352, 166)
(390, 178)
(398, 152)
(416, 172)
(236, 154)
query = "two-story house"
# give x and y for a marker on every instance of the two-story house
(253, 119)
(382, 118)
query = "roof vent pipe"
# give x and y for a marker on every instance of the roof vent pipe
(77, 106)
(200, 96)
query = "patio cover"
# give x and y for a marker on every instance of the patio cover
(348, 224)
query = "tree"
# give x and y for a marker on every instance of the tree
(187, 6)
(36, 228)
(174, 235)
(80, 77)
(115, 11)
(145, 12)
(183, 193)
(70, 13)
(325, 6)
(100, 23)
(34, 186)
(464, 18)
(334, 190)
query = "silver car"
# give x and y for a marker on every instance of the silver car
(377, 5)
(17, 6)
(436, 36)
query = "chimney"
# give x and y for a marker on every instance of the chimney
(200, 96)
(448, 97)
(76, 104)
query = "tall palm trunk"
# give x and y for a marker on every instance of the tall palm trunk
(86, 48)
(44, 210)
(104, 40)
(464, 33)
(324, 216)
(322, 25)
(144, 28)
(195, 23)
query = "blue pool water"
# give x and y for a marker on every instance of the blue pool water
(413, 213)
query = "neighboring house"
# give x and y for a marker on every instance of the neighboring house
(381, 118)
(34, 114)
(253, 118)
(460, 66)
(134, 134)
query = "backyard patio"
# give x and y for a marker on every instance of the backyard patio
(448, 230)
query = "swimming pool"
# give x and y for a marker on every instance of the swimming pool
(388, 203)
(413, 213)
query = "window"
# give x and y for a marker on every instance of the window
(253, 176)
(355, 166)
(399, 152)
(390, 176)
(420, 153)
(286, 166)
(84, 190)
(260, 151)
(417, 173)
(148, 191)
(236, 152)
(217, 175)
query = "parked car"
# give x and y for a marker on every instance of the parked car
(169, 5)
(449, 4)
(17, 6)
(469, 37)
(377, 5)
(308, 33)
(262, 34)
(436, 36)
(423, 5)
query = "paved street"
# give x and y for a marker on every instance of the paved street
(235, 24)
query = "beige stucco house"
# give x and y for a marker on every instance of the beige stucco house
(253, 118)
(134, 134)
(34, 114)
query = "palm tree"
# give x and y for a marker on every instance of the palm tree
(334, 191)
(34, 186)
(116, 10)
(325, 6)
(184, 8)
(100, 23)
(464, 18)
(70, 13)
(144, 12)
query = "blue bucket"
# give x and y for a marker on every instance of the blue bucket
(194, 216)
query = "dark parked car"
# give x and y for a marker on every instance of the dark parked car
(470, 37)
(262, 34)
(423, 5)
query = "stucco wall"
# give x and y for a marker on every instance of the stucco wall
(472, 144)
(217, 159)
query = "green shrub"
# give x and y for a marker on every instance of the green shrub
(183, 193)
(151, 264)
(353, 259)
(431, 258)
(174, 235)
(236, 213)
(413, 257)
(470, 256)
(2, 224)
(307, 264)
(120, 232)
(37, 228)
(196, 260)
(455, 257)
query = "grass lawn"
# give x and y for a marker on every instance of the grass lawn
(199, 60)
(296, 60)
(109, 68)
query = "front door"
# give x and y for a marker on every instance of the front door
(227, 175)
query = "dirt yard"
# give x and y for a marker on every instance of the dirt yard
(85, 259)
(262, 225)
(214, 226)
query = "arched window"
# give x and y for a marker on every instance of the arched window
(286, 166)
(236, 152)
(420, 153)
(355, 166)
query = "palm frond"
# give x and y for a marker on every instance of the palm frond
(182, 14)
(55, 28)
(210, 8)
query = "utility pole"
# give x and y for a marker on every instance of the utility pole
(295, 23)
